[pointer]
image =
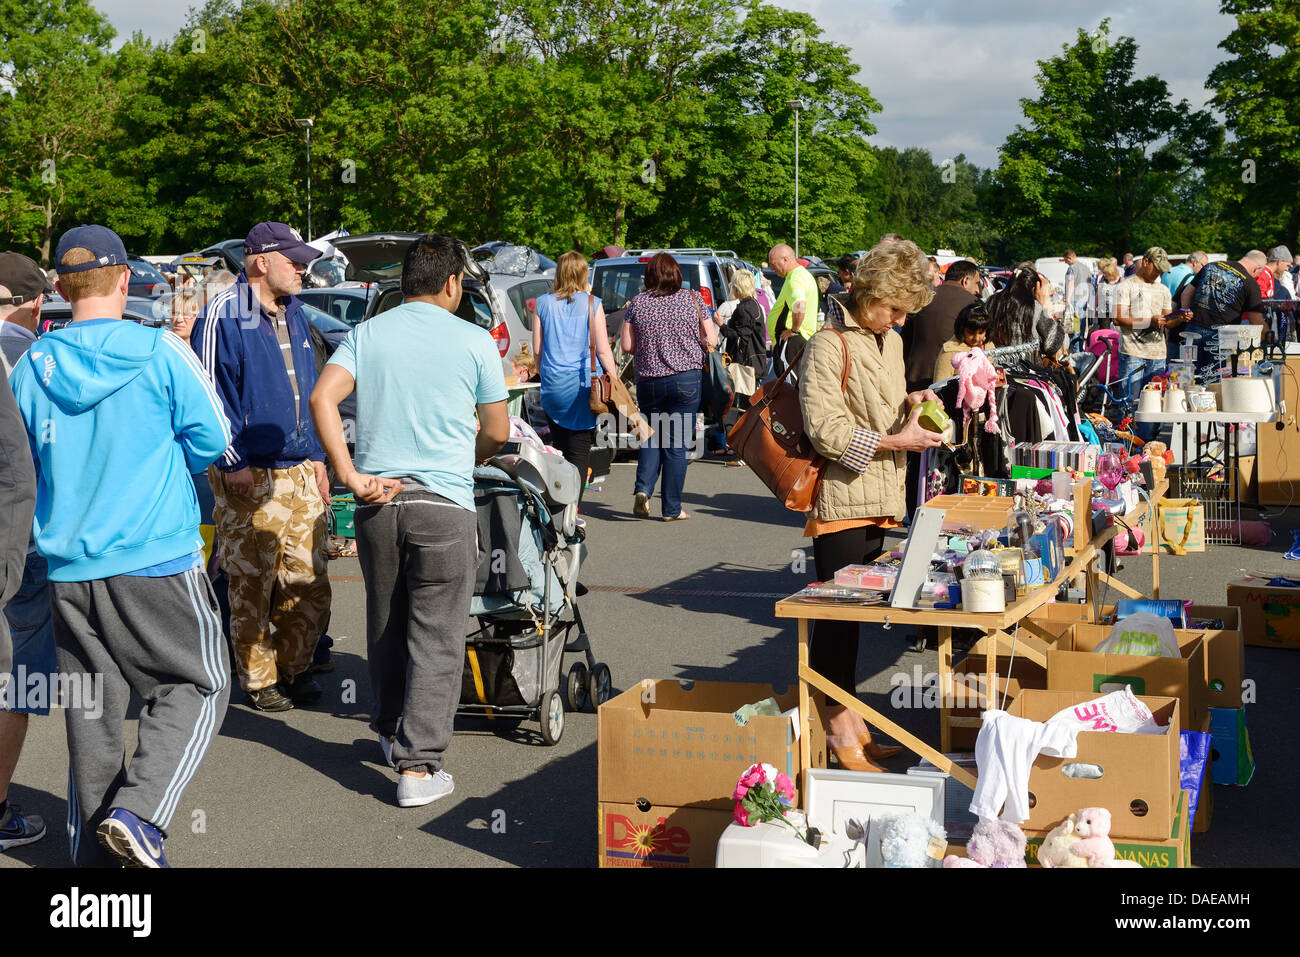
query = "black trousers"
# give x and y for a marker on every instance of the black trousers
(833, 647)
(576, 449)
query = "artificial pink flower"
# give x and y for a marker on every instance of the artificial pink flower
(739, 793)
(753, 777)
(784, 786)
(741, 815)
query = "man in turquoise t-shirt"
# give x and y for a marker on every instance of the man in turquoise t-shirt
(795, 311)
(420, 373)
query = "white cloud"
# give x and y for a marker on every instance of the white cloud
(949, 74)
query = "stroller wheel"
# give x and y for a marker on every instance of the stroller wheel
(599, 685)
(552, 717)
(576, 689)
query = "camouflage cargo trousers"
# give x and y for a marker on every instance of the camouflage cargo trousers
(272, 545)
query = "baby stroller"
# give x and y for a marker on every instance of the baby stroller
(525, 596)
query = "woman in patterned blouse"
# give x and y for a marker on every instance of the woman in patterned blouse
(665, 329)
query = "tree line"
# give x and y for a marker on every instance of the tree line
(577, 123)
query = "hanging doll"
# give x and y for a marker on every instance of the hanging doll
(977, 383)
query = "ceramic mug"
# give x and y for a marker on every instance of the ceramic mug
(1175, 400)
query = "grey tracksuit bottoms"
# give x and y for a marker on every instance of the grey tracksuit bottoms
(158, 637)
(419, 554)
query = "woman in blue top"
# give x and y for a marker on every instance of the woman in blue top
(567, 325)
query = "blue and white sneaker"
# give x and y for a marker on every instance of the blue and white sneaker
(137, 843)
(17, 828)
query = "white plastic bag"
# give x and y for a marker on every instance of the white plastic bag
(1141, 634)
(1120, 712)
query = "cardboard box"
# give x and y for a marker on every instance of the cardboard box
(1077, 667)
(1225, 653)
(1247, 487)
(1233, 762)
(1139, 783)
(1270, 617)
(678, 744)
(1174, 851)
(659, 836)
(968, 685)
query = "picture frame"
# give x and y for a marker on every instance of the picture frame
(836, 797)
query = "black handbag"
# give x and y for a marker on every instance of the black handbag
(717, 392)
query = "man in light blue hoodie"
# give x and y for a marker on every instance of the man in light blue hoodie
(118, 417)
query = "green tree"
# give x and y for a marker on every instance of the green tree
(1099, 148)
(737, 189)
(59, 91)
(1257, 89)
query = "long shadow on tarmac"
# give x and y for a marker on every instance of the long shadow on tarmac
(547, 819)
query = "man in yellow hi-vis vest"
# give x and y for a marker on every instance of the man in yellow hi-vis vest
(792, 320)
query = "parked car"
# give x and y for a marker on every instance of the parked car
(57, 313)
(377, 258)
(147, 281)
(1054, 267)
(617, 280)
(231, 252)
(487, 252)
(346, 304)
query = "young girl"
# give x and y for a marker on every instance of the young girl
(971, 330)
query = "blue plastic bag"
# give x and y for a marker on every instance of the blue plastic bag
(1193, 763)
(1170, 608)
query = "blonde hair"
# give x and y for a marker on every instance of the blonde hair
(89, 283)
(1108, 268)
(742, 284)
(897, 271)
(570, 275)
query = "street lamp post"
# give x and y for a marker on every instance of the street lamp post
(307, 123)
(797, 106)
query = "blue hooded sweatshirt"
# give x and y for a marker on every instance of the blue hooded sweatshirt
(118, 417)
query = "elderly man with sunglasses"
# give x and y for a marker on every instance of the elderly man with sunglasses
(270, 486)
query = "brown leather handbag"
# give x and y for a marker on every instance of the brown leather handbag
(602, 389)
(770, 439)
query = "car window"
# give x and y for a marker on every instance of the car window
(351, 309)
(616, 284)
(720, 291)
(521, 292)
(475, 308)
(322, 320)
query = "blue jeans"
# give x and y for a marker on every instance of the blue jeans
(32, 626)
(1136, 373)
(671, 405)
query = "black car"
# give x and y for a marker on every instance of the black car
(146, 282)
(231, 252)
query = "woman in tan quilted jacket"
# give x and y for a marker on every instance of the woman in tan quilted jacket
(865, 431)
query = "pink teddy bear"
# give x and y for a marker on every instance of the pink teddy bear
(1093, 825)
(977, 381)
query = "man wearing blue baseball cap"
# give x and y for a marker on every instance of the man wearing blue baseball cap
(118, 416)
(270, 487)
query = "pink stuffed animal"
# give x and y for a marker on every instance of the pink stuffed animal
(992, 844)
(1093, 825)
(977, 382)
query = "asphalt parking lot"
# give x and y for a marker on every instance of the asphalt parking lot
(688, 600)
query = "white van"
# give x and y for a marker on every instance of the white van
(1054, 267)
